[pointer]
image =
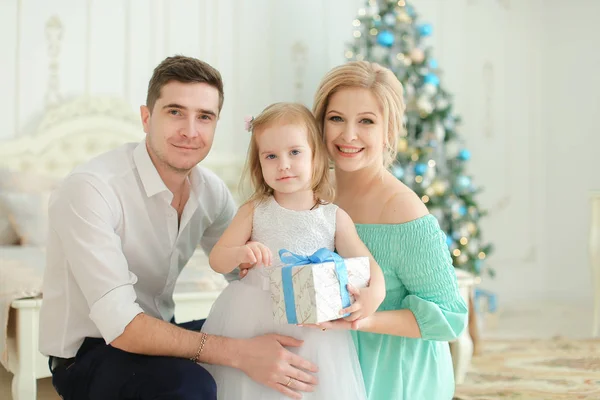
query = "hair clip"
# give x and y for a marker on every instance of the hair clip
(248, 122)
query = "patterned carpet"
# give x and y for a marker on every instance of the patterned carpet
(553, 369)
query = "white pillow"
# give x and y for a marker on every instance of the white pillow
(24, 200)
(8, 236)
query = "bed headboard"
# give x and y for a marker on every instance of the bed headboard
(73, 132)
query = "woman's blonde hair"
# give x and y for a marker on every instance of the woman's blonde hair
(384, 85)
(287, 114)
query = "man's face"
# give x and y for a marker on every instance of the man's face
(181, 126)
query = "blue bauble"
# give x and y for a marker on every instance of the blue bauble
(464, 155)
(432, 79)
(462, 210)
(398, 171)
(463, 181)
(389, 19)
(420, 168)
(433, 64)
(410, 11)
(377, 23)
(478, 265)
(433, 143)
(385, 38)
(425, 29)
(449, 241)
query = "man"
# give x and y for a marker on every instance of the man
(121, 228)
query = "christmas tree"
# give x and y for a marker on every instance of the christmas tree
(431, 157)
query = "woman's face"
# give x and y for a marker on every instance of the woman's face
(354, 129)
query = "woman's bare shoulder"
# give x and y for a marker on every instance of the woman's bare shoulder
(401, 204)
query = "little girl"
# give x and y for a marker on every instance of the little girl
(290, 209)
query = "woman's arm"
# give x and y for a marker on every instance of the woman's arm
(434, 308)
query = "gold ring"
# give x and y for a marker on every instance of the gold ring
(289, 382)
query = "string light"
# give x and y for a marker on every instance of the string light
(431, 163)
(349, 54)
(481, 255)
(356, 34)
(425, 199)
(356, 22)
(456, 252)
(401, 3)
(362, 12)
(414, 157)
(464, 241)
(419, 179)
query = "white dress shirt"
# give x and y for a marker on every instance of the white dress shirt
(115, 249)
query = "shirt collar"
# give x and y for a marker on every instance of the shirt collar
(151, 180)
(153, 183)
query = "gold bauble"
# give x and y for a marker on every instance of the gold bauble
(417, 55)
(404, 18)
(438, 187)
(471, 228)
(402, 145)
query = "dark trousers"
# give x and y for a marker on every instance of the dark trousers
(102, 372)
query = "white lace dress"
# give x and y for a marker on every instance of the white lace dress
(243, 310)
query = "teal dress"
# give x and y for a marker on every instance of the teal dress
(419, 276)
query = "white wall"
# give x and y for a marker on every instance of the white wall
(571, 99)
(525, 80)
(59, 49)
(521, 71)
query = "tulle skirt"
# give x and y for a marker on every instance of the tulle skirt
(243, 310)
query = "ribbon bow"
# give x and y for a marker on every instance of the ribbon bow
(248, 119)
(320, 256)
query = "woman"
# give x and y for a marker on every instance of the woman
(403, 347)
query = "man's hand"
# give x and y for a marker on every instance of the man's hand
(265, 360)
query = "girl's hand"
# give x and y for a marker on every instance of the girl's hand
(253, 253)
(244, 268)
(366, 302)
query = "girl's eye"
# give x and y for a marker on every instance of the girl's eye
(366, 121)
(336, 118)
(270, 157)
(295, 152)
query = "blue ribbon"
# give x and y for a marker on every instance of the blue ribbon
(320, 256)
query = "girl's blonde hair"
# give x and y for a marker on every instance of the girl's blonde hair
(287, 114)
(384, 85)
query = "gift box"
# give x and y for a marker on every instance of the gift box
(312, 289)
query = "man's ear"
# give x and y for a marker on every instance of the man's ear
(145, 115)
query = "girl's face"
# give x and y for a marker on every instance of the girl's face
(285, 157)
(354, 129)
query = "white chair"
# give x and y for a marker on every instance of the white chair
(462, 348)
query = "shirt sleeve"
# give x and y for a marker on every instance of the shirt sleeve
(84, 214)
(213, 233)
(434, 298)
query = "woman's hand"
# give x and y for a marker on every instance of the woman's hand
(366, 302)
(340, 324)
